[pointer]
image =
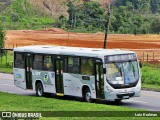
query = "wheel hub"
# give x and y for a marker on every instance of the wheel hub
(40, 91)
(88, 96)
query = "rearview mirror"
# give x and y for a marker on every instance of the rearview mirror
(140, 64)
(104, 70)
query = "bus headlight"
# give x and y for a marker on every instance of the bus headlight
(109, 89)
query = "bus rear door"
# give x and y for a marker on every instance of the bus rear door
(99, 82)
(28, 70)
(59, 68)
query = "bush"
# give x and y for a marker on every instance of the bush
(2, 37)
(150, 75)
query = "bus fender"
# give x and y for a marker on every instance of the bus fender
(84, 87)
(36, 82)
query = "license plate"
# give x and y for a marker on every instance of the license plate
(125, 97)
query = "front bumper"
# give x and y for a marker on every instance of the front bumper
(119, 94)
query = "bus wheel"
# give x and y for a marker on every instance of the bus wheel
(87, 95)
(39, 90)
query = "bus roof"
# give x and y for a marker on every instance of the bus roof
(74, 51)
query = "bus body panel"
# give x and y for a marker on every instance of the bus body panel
(73, 84)
(46, 77)
(19, 78)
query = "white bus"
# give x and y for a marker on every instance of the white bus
(82, 72)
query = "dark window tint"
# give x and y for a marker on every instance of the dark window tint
(87, 66)
(37, 64)
(19, 60)
(73, 65)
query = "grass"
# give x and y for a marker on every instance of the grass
(7, 59)
(151, 87)
(150, 75)
(6, 70)
(51, 104)
(6, 63)
(12, 102)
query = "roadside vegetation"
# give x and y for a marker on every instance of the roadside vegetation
(5, 58)
(151, 76)
(2, 36)
(6, 62)
(8, 70)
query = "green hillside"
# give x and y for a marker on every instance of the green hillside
(4, 4)
(21, 14)
(127, 16)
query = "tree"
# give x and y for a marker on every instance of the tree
(129, 5)
(155, 6)
(135, 3)
(92, 14)
(89, 15)
(145, 8)
(2, 37)
(127, 16)
(62, 21)
(155, 26)
(72, 11)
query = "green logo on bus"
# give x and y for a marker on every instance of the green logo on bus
(45, 77)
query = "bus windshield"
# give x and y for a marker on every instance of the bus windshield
(122, 72)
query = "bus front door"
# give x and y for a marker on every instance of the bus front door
(28, 70)
(59, 68)
(99, 81)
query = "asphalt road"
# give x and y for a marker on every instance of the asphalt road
(149, 100)
(7, 85)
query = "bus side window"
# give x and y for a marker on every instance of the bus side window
(37, 63)
(73, 65)
(47, 63)
(87, 66)
(19, 60)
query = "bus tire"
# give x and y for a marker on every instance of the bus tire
(87, 95)
(39, 90)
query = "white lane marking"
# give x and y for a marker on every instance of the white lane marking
(137, 101)
(7, 85)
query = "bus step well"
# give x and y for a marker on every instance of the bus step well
(59, 94)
